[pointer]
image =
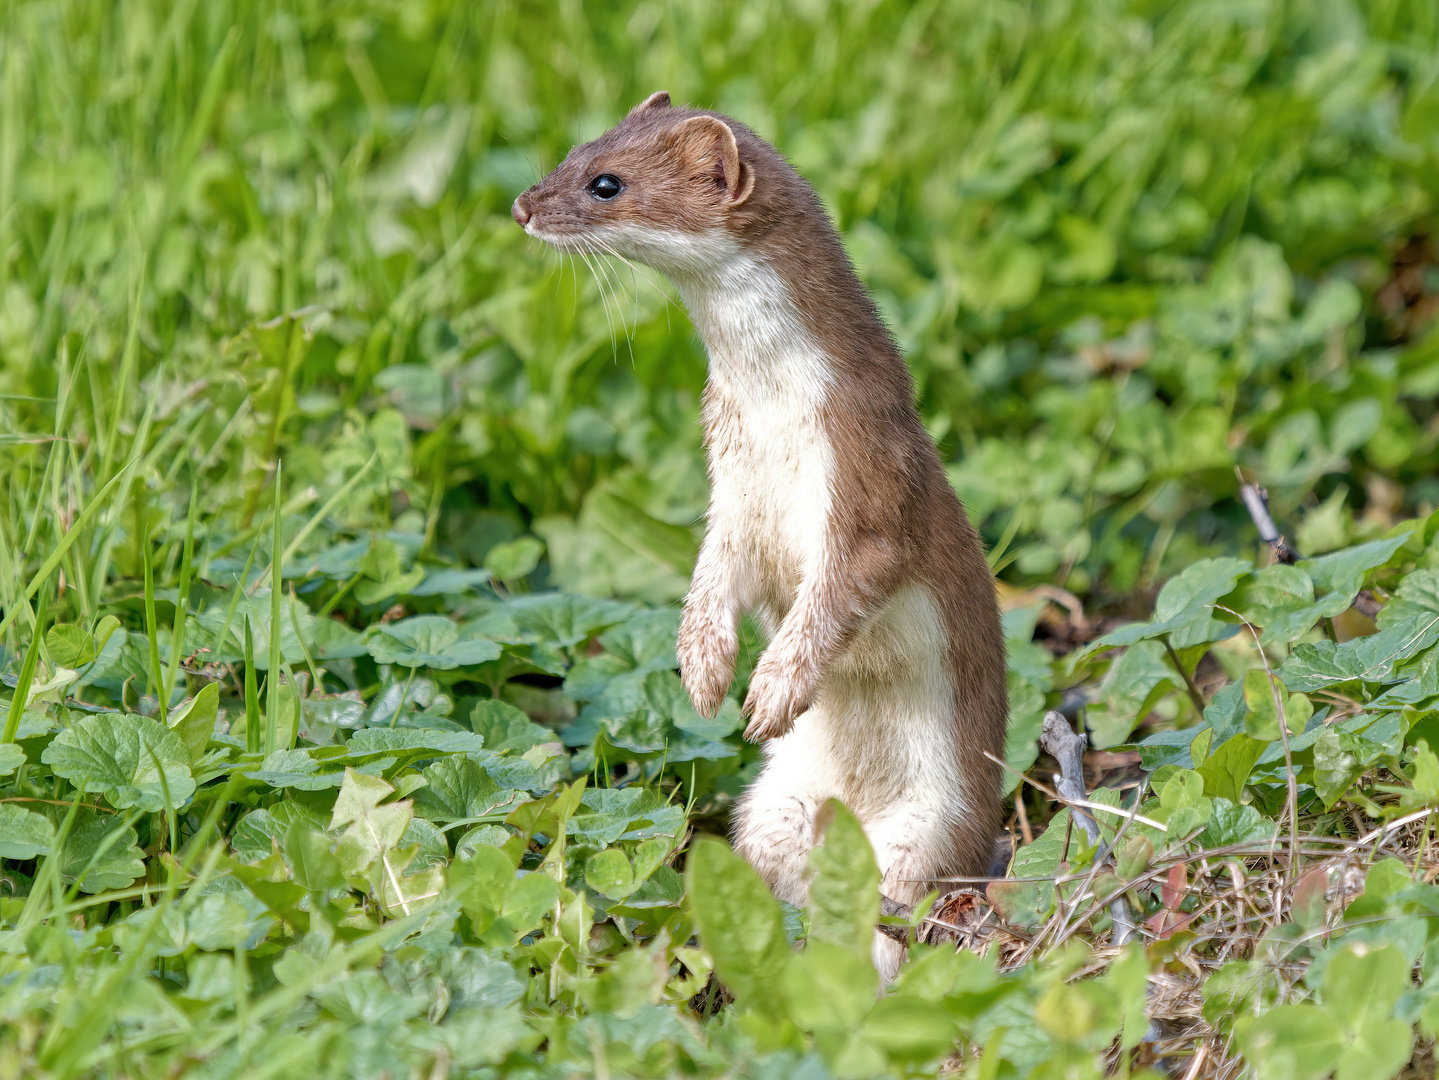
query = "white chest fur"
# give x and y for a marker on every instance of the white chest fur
(770, 460)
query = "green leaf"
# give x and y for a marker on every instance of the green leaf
(432, 641)
(829, 988)
(910, 1030)
(371, 742)
(294, 769)
(607, 815)
(115, 753)
(645, 641)
(1339, 759)
(24, 834)
(505, 727)
(739, 921)
(1362, 984)
(1184, 607)
(1291, 1041)
(1385, 878)
(1226, 770)
(11, 755)
(194, 721)
(1343, 572)
(609, 873)
(564, 619)
(1183, 804)
(312, 863)
(530, 898)
(1326, 664)
(373, 829)
(69, 646)
(1235, 823)
(457, 788)
(481, 883)
(844, 890)
(100, 853)
(513, 560)
(1128, 981)
(1416, 596)
(1262, 720)
(261, 833)
(1134, 857)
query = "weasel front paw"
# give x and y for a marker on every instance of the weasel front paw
(775, 700)
(706, 652)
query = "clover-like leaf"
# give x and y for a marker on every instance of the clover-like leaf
(563, 618)
(606, 815)
(194, 720)
(432, 641)
(69, 645)
(100, 853)
(1235, 823)
(1184, 607)
(458, 788)
(1326, 664)
(610, 874)
(11, 758)
(1339, 759)
(262, 832)
(24, 834)
(374, 741)
(504, 727)
(514, 559)
(117, 753)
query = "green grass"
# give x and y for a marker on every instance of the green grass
(342, 528)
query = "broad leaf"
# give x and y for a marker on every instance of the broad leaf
(844, 887)
(739, 921)
(504, 727)
(24, 834)
(432, 641)
(117, 753)
(100, 853)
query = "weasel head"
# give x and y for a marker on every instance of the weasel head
(664, 187)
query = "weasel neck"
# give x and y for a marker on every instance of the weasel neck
(756, 337)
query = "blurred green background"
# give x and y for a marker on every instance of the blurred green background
(1127, 246)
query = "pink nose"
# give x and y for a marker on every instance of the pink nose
(519, 212)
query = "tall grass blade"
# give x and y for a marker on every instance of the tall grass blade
(182, 602)
(152, 630)
(277, 596)
(27, 670)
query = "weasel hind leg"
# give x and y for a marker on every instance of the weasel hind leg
(910, 844)
(774, 830)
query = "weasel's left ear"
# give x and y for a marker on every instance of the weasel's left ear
(658, 100)
(708, 143)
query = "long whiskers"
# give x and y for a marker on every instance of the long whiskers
(616, 289)
(583, 252)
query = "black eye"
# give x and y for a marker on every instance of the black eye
(606, 186)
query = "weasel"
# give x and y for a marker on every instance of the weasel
(830, 517)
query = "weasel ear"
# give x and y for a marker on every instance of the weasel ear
(657, 100)
(707, 142)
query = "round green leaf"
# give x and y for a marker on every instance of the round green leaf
(609, 873)
(117, 753)
(24, 834)
(431, 641)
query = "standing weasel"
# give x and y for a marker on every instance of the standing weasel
(830, 516)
